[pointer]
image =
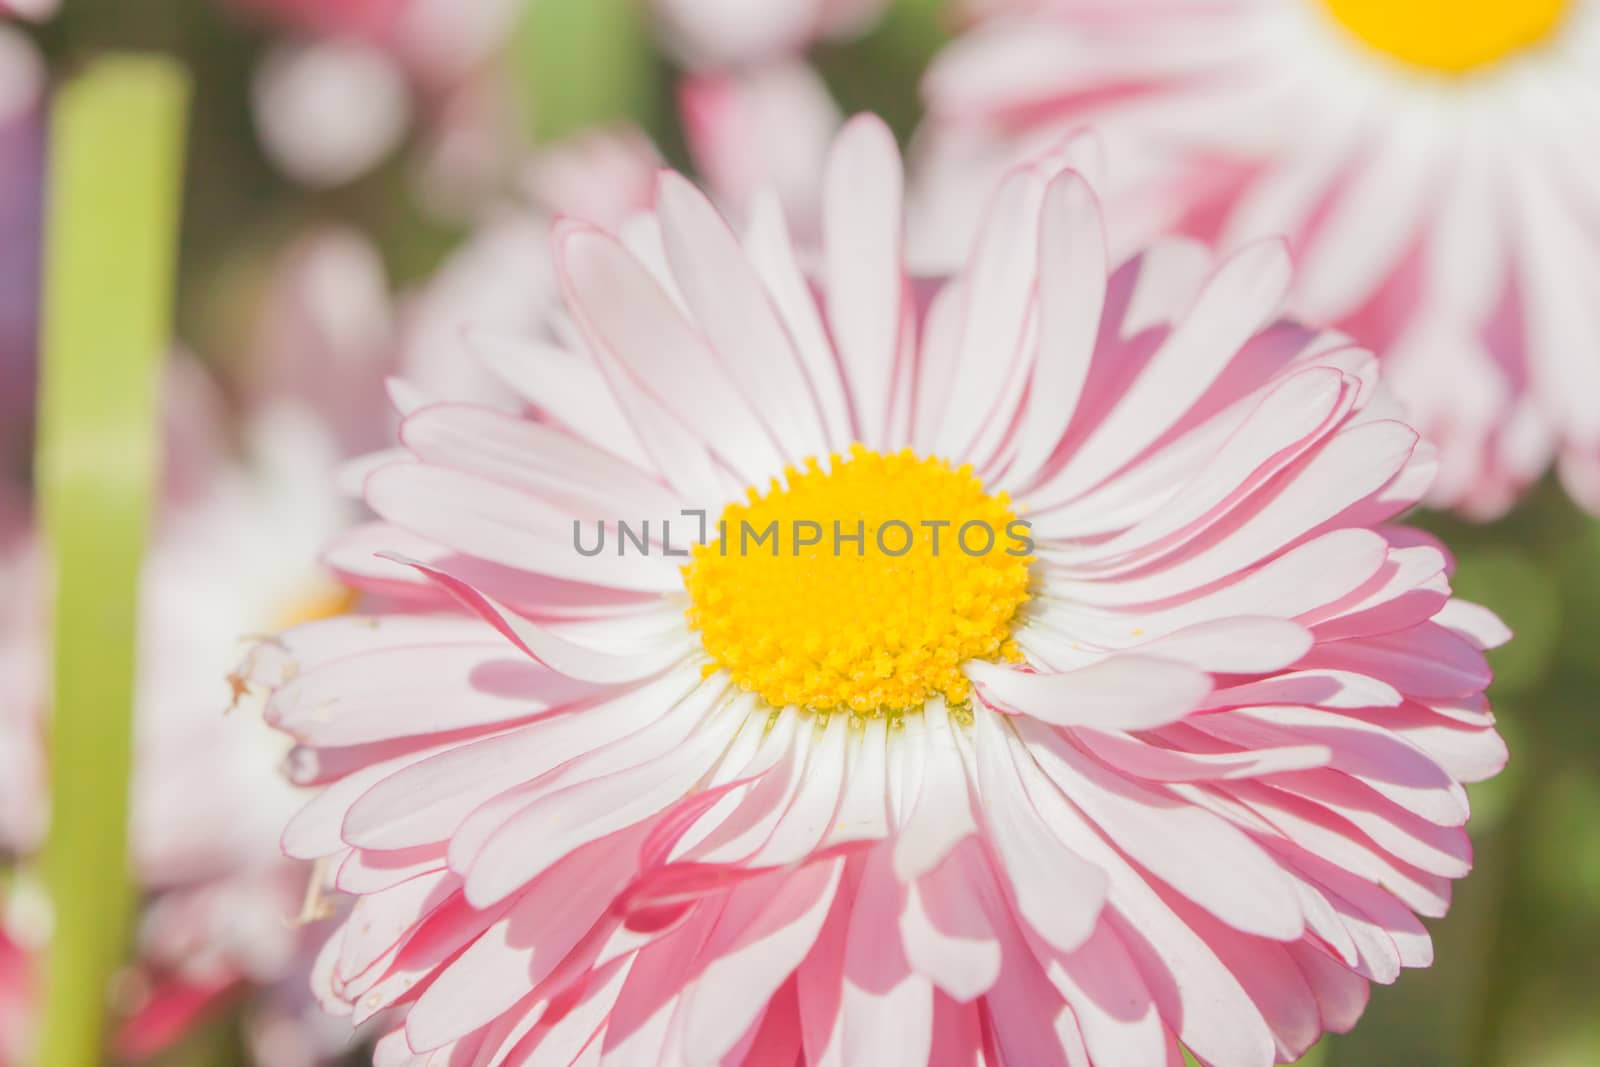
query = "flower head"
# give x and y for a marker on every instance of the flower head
(1416, 152)
(1163, 744)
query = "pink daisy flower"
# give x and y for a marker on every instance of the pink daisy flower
(1419, 154)
(1181, 761)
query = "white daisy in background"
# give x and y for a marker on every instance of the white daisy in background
(1430, 160)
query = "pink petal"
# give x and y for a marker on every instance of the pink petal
(1198, 854)
(861, 224)
(1240, 298)
(1057, 892)
(1072, 286)
(733, 310)
(945, 930)
(624, 312)
(767, 929)
(560, 655)
(1119, 693)
(507, 526)
(887, 1008)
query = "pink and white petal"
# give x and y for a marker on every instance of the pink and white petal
(766, 930)
(665, 729)
(771, 252)
(1389, 764)
(1371, 223)
(1239, 299)
(1199, 855)
(546, 462)
(378, 921)
(811, 814)
(1426, 661)
(355, 557)
(1244, 644)
(568, 388)
(507, 526)
(864, 807)
(886, 1007)
(315, 830)
(1126, 692)
(624, 312)
(732, 309)
(430, 798)
(945, 929)
(942, 813)
(553, 825)
(640, 1028)
(552, 650)
(1112, 1005)
(391, 693)
(1474, 623)
(861, 238)
(362, 872)
(1058, 893)
(1072, 268)
(1151, 762)
(518, 951)
(998, 289)
(1343, 473)
(1290, 418)
(1341, 995)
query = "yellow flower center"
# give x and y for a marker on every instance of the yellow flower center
(862, 587)
(1453, 36)
(318, 600)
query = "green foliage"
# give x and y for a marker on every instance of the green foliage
(882, 71)
(587, 64)
(116, 137)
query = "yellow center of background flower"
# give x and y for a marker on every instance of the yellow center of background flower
(1453, 36)
(876, 625)
(318, 600)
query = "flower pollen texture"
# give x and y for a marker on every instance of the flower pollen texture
(871, 583)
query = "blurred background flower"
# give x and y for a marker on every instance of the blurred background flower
(369, 187)
(22, 80)
(1418, 154)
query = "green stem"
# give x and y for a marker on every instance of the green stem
(116, 159)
